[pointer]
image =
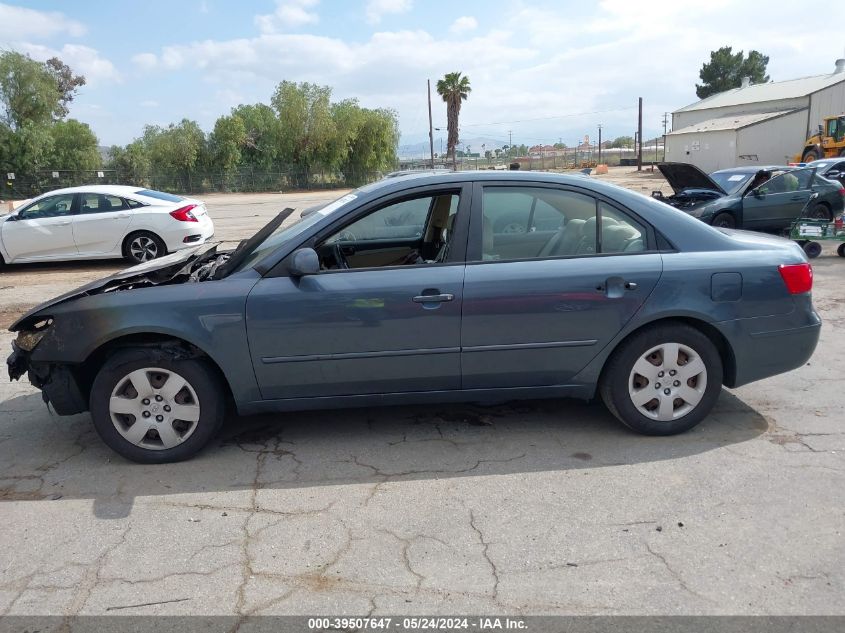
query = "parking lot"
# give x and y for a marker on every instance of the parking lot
(547, 507)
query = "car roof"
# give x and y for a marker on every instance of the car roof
(119, 190)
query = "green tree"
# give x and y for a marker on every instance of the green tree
(726, 69)
(132, 162)
(262, 136)
(67, 83)
(226, 141)
(307, 126)
(28, 92)
(26, 149)
(454, 89)
(622, 141)
(74, 146)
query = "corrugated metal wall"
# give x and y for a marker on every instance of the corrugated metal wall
(824, 103)
(772, 142)
(708, 151)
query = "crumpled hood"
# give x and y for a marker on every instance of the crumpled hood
(681, 176)
(164, 267)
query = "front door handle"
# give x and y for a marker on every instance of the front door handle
(433, 298)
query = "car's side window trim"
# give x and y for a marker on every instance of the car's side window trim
(474, 246)
(460, 230)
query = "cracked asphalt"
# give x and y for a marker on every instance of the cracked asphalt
(547, 507)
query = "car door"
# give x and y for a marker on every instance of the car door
(778, 201)
(538, 319)
(377, 327)
(42, 230)
(100, 224)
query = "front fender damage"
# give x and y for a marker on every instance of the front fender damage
(57, 383)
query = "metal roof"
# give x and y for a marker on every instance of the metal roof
(772, 91)
(732, 122)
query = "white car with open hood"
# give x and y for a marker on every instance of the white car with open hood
(102, 222)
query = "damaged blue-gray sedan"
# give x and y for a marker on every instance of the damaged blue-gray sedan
(481, 287)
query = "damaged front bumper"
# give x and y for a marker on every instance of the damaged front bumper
(57, 383)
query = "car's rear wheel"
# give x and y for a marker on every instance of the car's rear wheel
(841, 250)
(663, 380)
(143, 246)
(155, 409)
(725, 221)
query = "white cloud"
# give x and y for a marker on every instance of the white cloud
(19, 23)
(378, 8)
(145, 61)
(289, 14)
(83, 60)
(463, 24)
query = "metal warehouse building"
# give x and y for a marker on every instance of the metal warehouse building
(756, 124)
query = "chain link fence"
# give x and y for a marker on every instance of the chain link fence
(193, 182)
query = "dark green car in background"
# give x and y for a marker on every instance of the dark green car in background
(757, 198)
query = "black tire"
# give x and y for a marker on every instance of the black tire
(133, 256)
(841, 250)
(724, 220)
(812, 249)
(809, 156)
(200, 376)
(820, 211)
(616, 392)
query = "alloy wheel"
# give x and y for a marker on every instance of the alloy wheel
(143, 248)
(667, 382)
(154, 408)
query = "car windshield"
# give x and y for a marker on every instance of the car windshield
(287, 232)
(731, 182)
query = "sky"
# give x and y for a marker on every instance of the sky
(541, 71)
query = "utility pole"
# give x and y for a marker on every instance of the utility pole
(599, 160)
(430, 127)
(665, 123)
(510, 139)
(640, 135)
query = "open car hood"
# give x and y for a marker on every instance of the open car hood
(682, 176)
(154, 272)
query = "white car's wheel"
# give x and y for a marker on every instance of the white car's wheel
(143, 246)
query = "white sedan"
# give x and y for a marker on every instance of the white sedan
(102, 222)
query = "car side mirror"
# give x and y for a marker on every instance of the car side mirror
(304, 261)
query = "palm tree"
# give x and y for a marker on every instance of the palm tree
(453, 88)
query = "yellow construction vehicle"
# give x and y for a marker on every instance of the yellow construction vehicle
(829, 142)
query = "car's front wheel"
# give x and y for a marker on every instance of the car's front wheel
(663, 380)
(151, 408)
(143, 246)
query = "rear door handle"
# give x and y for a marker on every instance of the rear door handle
(120, 215)
(433, 298)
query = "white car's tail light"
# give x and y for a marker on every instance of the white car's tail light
(183, 214)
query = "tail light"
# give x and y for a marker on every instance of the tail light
(842, 192)
(183, 214)
(797, 277)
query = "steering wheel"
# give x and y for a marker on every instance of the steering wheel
(337, 250)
